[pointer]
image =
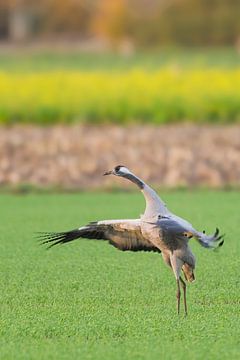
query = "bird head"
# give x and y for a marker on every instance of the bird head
(119, 170)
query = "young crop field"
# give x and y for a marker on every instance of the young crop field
(156, 88)
(89, 300)
(27, 61)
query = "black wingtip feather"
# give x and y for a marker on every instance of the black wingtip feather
(216, 232)
(221, 243)
(58, 238)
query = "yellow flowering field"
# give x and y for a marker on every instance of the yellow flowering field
(166, 95)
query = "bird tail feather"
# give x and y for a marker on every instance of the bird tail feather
(188, 272)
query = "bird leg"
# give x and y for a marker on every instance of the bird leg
(184, 294)
(176, 265)
(178, 296)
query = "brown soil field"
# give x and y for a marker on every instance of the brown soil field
(74, 157)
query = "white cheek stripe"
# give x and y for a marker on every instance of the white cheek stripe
(125, 170)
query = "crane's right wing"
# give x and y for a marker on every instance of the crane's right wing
(123, 234)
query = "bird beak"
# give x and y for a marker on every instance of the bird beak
(107, 173)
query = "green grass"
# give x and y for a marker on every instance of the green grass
(88, 300)
(27, 61)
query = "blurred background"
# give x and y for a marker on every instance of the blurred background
(140, 23)
(152, 84)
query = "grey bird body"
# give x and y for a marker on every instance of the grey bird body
(156, 230)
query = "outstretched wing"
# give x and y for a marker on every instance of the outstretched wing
(210, 241)
(173, 232)
(123, 234)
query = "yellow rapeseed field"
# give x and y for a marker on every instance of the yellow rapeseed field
(170, 94)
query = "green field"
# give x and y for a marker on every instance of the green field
(28, 61)
(87, 300)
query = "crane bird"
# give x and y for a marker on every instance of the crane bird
(157, 230)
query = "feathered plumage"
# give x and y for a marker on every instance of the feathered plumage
(125, 235)
(157, 230)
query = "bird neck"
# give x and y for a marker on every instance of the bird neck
(154, 205)
(136, 180)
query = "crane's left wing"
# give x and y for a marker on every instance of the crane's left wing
(210, 241)
(123, 234)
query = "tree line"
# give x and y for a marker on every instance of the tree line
(144, 23)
